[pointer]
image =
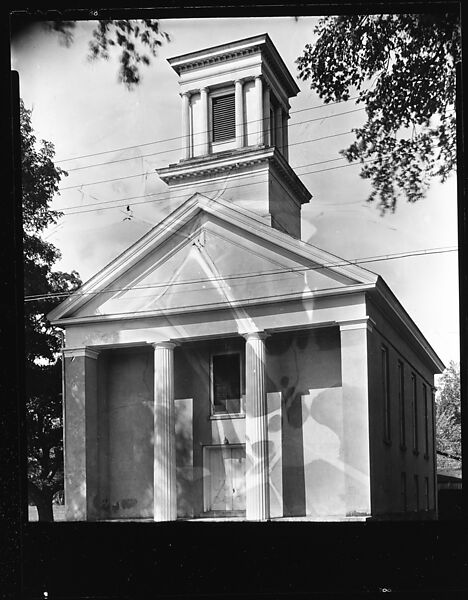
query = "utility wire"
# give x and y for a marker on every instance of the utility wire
(246, 275)
(124, 201)
(165, 192)
(180, 137)
(69, 187)
(110, 162)
(184, 194)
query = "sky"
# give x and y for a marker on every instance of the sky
(83, 110)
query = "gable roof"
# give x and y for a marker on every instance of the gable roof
(246, 222)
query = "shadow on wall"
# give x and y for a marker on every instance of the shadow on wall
(335, 453)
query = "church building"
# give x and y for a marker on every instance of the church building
(221, 367)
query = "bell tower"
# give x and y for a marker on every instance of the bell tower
(235, 111)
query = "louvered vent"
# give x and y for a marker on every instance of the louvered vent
(224, 120)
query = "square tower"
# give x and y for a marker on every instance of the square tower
(235, 111)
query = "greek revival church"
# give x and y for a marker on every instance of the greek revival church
(220, 367)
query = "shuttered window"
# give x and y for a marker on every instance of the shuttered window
(223, 118)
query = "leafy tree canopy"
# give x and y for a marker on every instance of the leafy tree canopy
(137, 41)
(448, 417)
(40, 180)
(402, 67)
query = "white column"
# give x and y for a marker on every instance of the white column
(185, 125)
(165, 495)
(239, 102)
(259, 89)
(256, 430)
(266, 116)
(279, 129)
(204, 123)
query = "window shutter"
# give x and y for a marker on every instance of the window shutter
(224, 120)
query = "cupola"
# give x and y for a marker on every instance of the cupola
(235, 111)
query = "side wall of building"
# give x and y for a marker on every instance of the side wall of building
(401, 429)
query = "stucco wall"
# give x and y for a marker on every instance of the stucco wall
(389, 459)
(297, 363)
(129, 413)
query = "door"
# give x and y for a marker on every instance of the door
(226, 482)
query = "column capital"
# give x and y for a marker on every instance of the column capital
(165, 344)
(204, 89)
(259, 76)
(185, 94)
(255, 335)
(364, 323)
(79, 352)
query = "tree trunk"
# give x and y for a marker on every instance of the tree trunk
(44, 507)
(43, 501)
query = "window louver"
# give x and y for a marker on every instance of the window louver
(224, 120)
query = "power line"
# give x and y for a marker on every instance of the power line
(246, 275)
(180, 137)
(182, 195)
(161, 193)
(110, 162)
(69, 187)
(124, 201)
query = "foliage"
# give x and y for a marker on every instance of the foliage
(135, 39)
(403, 68)
(40, 179)
(448, 416)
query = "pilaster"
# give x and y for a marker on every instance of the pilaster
(81, 458)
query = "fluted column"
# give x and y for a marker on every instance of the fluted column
(165, 495)
(239, 102)
(259, 90)
(256, 431)
(204, 123)
(185, 125)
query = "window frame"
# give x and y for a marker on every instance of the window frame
(227, 415)
(401, 403)
(384, 357)
(414, 411)
(426, 422)
(416, 487)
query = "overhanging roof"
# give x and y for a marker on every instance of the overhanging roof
(232, 50)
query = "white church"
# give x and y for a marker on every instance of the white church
(220, 367)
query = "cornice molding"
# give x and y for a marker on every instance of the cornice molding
(80, 352)
(192, 169)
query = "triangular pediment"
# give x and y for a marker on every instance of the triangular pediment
(209, 254)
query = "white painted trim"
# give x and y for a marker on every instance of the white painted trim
(364, 323)
(302, 296)
(221, 210)
(80, 352)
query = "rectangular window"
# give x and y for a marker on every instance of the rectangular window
(404, 501)
(226, 383)
(426, 491)
(426, 422)
(223, 117)
(385, 393)
(414, 400)
(416, 490)
(401, 403)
